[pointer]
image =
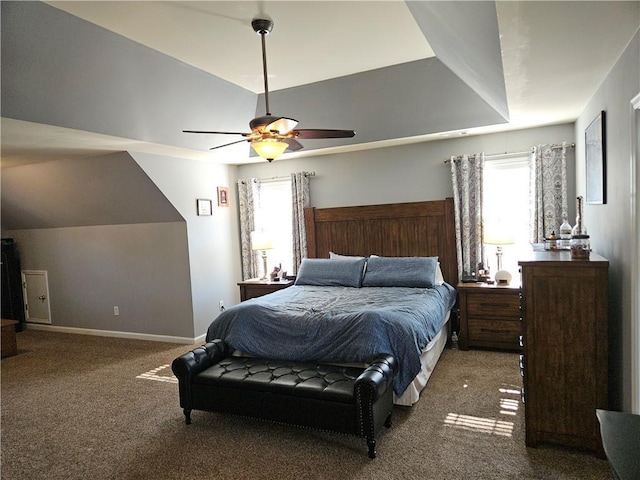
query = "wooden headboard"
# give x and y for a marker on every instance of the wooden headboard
(416, 229)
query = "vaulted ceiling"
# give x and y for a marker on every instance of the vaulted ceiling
(394, 71)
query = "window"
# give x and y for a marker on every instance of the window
(273, 215)
(506, 206)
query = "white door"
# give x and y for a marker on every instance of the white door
(36, 296)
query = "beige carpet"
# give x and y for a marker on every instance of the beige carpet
(82, 407)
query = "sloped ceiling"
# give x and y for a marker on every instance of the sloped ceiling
(104, 190)
(101, 76)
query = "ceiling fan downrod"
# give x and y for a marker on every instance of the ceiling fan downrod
(262, 27)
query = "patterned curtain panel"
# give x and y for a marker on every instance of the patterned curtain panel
(467, 179)
(547, 190)
(248, 195)
(300, 200)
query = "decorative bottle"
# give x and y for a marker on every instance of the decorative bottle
(579, 228)
(580, 246)
(565, 233)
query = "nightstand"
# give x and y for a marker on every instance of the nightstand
(256, 288)
(489, 316)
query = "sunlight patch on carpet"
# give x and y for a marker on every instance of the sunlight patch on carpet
(509, 406)
(479, 424)
(161, 374)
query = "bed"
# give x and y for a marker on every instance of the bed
(378, 279)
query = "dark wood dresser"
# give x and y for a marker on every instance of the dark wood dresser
(564, 311)
(489, 316)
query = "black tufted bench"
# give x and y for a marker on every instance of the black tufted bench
(356, 401)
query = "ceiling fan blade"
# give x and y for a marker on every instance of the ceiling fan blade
(282, 125)
(294, 145)
(215, 133)
(227, 144)
(317, 133)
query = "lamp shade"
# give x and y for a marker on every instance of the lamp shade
(260, 240)
(269, 148)
(498, 234)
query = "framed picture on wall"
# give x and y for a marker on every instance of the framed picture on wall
(204, 206)
(596, 160)
(223, 197)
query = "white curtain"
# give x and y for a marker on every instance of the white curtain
(300, 200)
(248, 195)
(547, 190)
(467, 179)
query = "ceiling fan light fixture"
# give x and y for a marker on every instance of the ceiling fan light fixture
(269, 148)
(271, 135)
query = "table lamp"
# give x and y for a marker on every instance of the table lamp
(260, 240)
(499, 234)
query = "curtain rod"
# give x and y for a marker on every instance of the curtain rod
(276, 179)
(515, 154)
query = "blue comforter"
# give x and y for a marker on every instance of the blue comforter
(338, 324)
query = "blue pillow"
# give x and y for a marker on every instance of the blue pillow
(418, 272)
(342, 272)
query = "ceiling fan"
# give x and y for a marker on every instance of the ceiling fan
(271, 135)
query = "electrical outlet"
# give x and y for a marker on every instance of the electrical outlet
(116, 310)
(221, 305)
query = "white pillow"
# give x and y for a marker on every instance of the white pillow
(439, 277)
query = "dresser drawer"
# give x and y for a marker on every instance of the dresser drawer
(493, 305)
(483, 332)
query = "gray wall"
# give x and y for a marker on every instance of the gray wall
(142, 268)
(106, 236)
(609, 225)
(214, 255)
(94, 225)
(405, 173)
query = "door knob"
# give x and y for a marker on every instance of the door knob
(42, 298)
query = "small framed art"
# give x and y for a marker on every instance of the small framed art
(596, 160)
(223, 197)
(204, 206)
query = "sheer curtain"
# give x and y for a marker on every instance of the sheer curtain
(248, 195)
(300, 200)
(547, 190)
(467, 179)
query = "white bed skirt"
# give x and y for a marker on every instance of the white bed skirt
(428, 359)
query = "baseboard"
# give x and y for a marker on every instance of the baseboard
(111, 333)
